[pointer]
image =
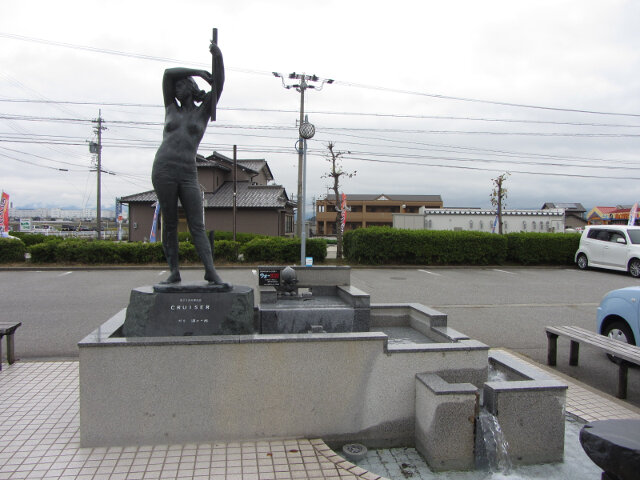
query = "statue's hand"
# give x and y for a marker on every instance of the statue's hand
(207, 77)
(215, 50)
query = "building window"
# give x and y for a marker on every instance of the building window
(470, 224)
(481, 225)
(288, 224)
(524, 225)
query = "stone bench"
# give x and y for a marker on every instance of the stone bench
(626, 354)
(8, 329)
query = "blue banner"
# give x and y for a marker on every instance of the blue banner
(154, 225)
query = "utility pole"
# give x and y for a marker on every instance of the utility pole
(301, 87)
(235, 189)
(97, 149)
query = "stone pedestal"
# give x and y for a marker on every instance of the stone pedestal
(613, 445)
(186, 309)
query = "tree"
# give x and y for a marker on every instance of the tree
(334, 158)
(498, 196)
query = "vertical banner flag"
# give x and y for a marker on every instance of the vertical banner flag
(495, 224)
(4, 214)
(343, 208)
(119, 218)
(154, 225)
(632, 214)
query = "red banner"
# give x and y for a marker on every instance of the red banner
(4, 213)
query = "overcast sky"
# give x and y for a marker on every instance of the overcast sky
(429, 97)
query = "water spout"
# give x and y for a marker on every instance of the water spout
(491, 446)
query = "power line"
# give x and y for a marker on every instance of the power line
(340, 113)
(490, 102)
(337, 82)
(466, 167)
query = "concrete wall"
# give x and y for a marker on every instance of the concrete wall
(340, 387)
(482, 220)
(531, 411)
(445, 422)
(262, 221)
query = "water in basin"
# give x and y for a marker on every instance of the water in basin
(403, 463)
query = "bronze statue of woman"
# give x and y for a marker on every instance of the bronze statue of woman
(174, 175)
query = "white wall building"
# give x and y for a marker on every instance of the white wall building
(46, 213)
(471, 219)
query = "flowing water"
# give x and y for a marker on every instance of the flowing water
(406, 463)
(492, 449)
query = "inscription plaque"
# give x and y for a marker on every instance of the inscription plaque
(152, 313)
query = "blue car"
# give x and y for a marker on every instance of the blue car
(618, 315)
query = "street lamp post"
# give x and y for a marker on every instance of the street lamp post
(307, 131)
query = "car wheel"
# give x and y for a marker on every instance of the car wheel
(619, 330)
(582, 262)
(634, 268)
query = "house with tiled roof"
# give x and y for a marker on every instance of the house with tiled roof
(261, 207)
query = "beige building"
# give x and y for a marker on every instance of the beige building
(260, 207)
(367, 210)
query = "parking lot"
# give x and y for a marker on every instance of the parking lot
(502, 307)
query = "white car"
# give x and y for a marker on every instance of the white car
(616, 247)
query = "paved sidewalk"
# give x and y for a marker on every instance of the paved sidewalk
(40, 439)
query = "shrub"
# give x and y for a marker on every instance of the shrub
(542, 248)
(385, 245)
(226, 250)
(12, 250)
(241, 238)
(283, 250)
(43, 252)
(35, 238)
(380, 245)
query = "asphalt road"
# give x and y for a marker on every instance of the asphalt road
(502, 307)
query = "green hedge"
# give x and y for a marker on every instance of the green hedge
(12, 250)
(542, 248)
(283, 250)
(241, 238)
(385, 245)
(93, 252)
(34, 238)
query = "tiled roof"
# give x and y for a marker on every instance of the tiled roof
(248, 196)
(254, 165)
(474, 211)
(574, 207)
(149, 196)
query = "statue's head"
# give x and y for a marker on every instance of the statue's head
(186, 87)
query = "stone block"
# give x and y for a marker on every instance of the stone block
(445, 422)
(530, 411)
(189, 311)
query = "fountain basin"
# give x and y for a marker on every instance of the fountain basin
(342, 387)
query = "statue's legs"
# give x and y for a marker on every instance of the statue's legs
(191, 198)
(167, 193)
